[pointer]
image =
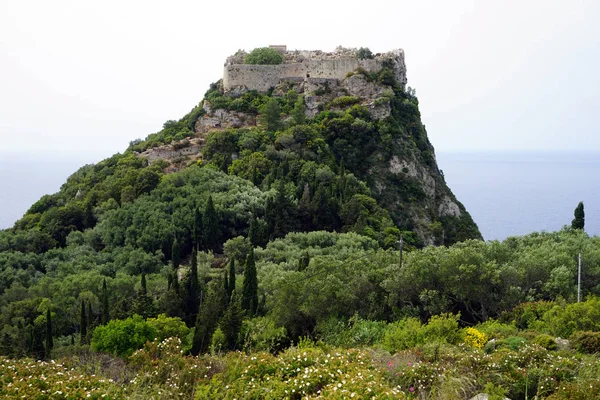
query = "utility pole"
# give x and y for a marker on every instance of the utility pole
(401, 242)
(579, 279)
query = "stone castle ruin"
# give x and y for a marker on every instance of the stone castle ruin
(310, 66)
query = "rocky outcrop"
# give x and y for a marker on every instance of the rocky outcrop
(222, 119)
(189, 148)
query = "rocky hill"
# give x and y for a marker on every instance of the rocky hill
(366, 115)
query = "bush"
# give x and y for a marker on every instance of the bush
(167, 327)
(442, 328)
(261, 334)
(357, 332)
(344, 101)
(123, 337)
(475, 338)
(564, 320)
(263, 56)
(364, 53)
(402, 335)
(546, 341)
(497, 330)
(514, 342)
(586, 342)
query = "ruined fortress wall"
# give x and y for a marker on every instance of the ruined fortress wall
(263, 77)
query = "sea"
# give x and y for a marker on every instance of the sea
(506, 193)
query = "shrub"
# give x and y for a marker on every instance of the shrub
(263, 56)
(364, 53)
(497, 330)
(403, 334)
(475, 338)
(123, 337)
(563, 321)
(442, 328)
(344, 101)
(514, 342)
(167, 327)
(546, 341)
(357, 332)
(586, 342)
(261, 334)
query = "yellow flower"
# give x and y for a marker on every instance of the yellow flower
(475, 338)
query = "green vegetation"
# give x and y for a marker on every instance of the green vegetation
(280, 244)
(263, 56)
(579, 220)
(364, 53)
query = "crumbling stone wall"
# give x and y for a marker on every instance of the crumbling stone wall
(304, 65)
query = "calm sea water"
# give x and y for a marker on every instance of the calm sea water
(506, 193)
(511, 194)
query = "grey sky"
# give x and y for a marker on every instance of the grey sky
(83, 76)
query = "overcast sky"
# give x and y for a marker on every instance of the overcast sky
(90, 76)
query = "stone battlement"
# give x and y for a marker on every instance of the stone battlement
(307, 65)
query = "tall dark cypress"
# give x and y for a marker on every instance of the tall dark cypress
(231, 286)
(226, 285)
(90, 317)
(193, 291)
(342, 183)
(579, 220)
(105, 316)
(198, 230)
(250, 286)
(175, 254)
(143, 304)
(209, 315)
(49, 339)
(253, 232)
(143, 285)
(82, 324)
(231, 322)
(211, 226)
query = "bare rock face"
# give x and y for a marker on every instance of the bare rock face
(178, 154)
(222, 119)
(448, 208)
(415, 171)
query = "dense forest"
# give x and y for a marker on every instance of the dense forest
(276, 243)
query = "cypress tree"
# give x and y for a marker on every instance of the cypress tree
(226, 284)
(198, 230)
(231, 323)
(82, 324)
(231, 286)
(193, 290)
(298, 112)
(143, 286)
(90, 317)
(143, 304)
(270, 115)
(250, 286)
(176, 283)
(211, 226)
(175, 254)
(49, 340)
(579, 220)
(105, 317)
(342, 182)
(208, 318)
